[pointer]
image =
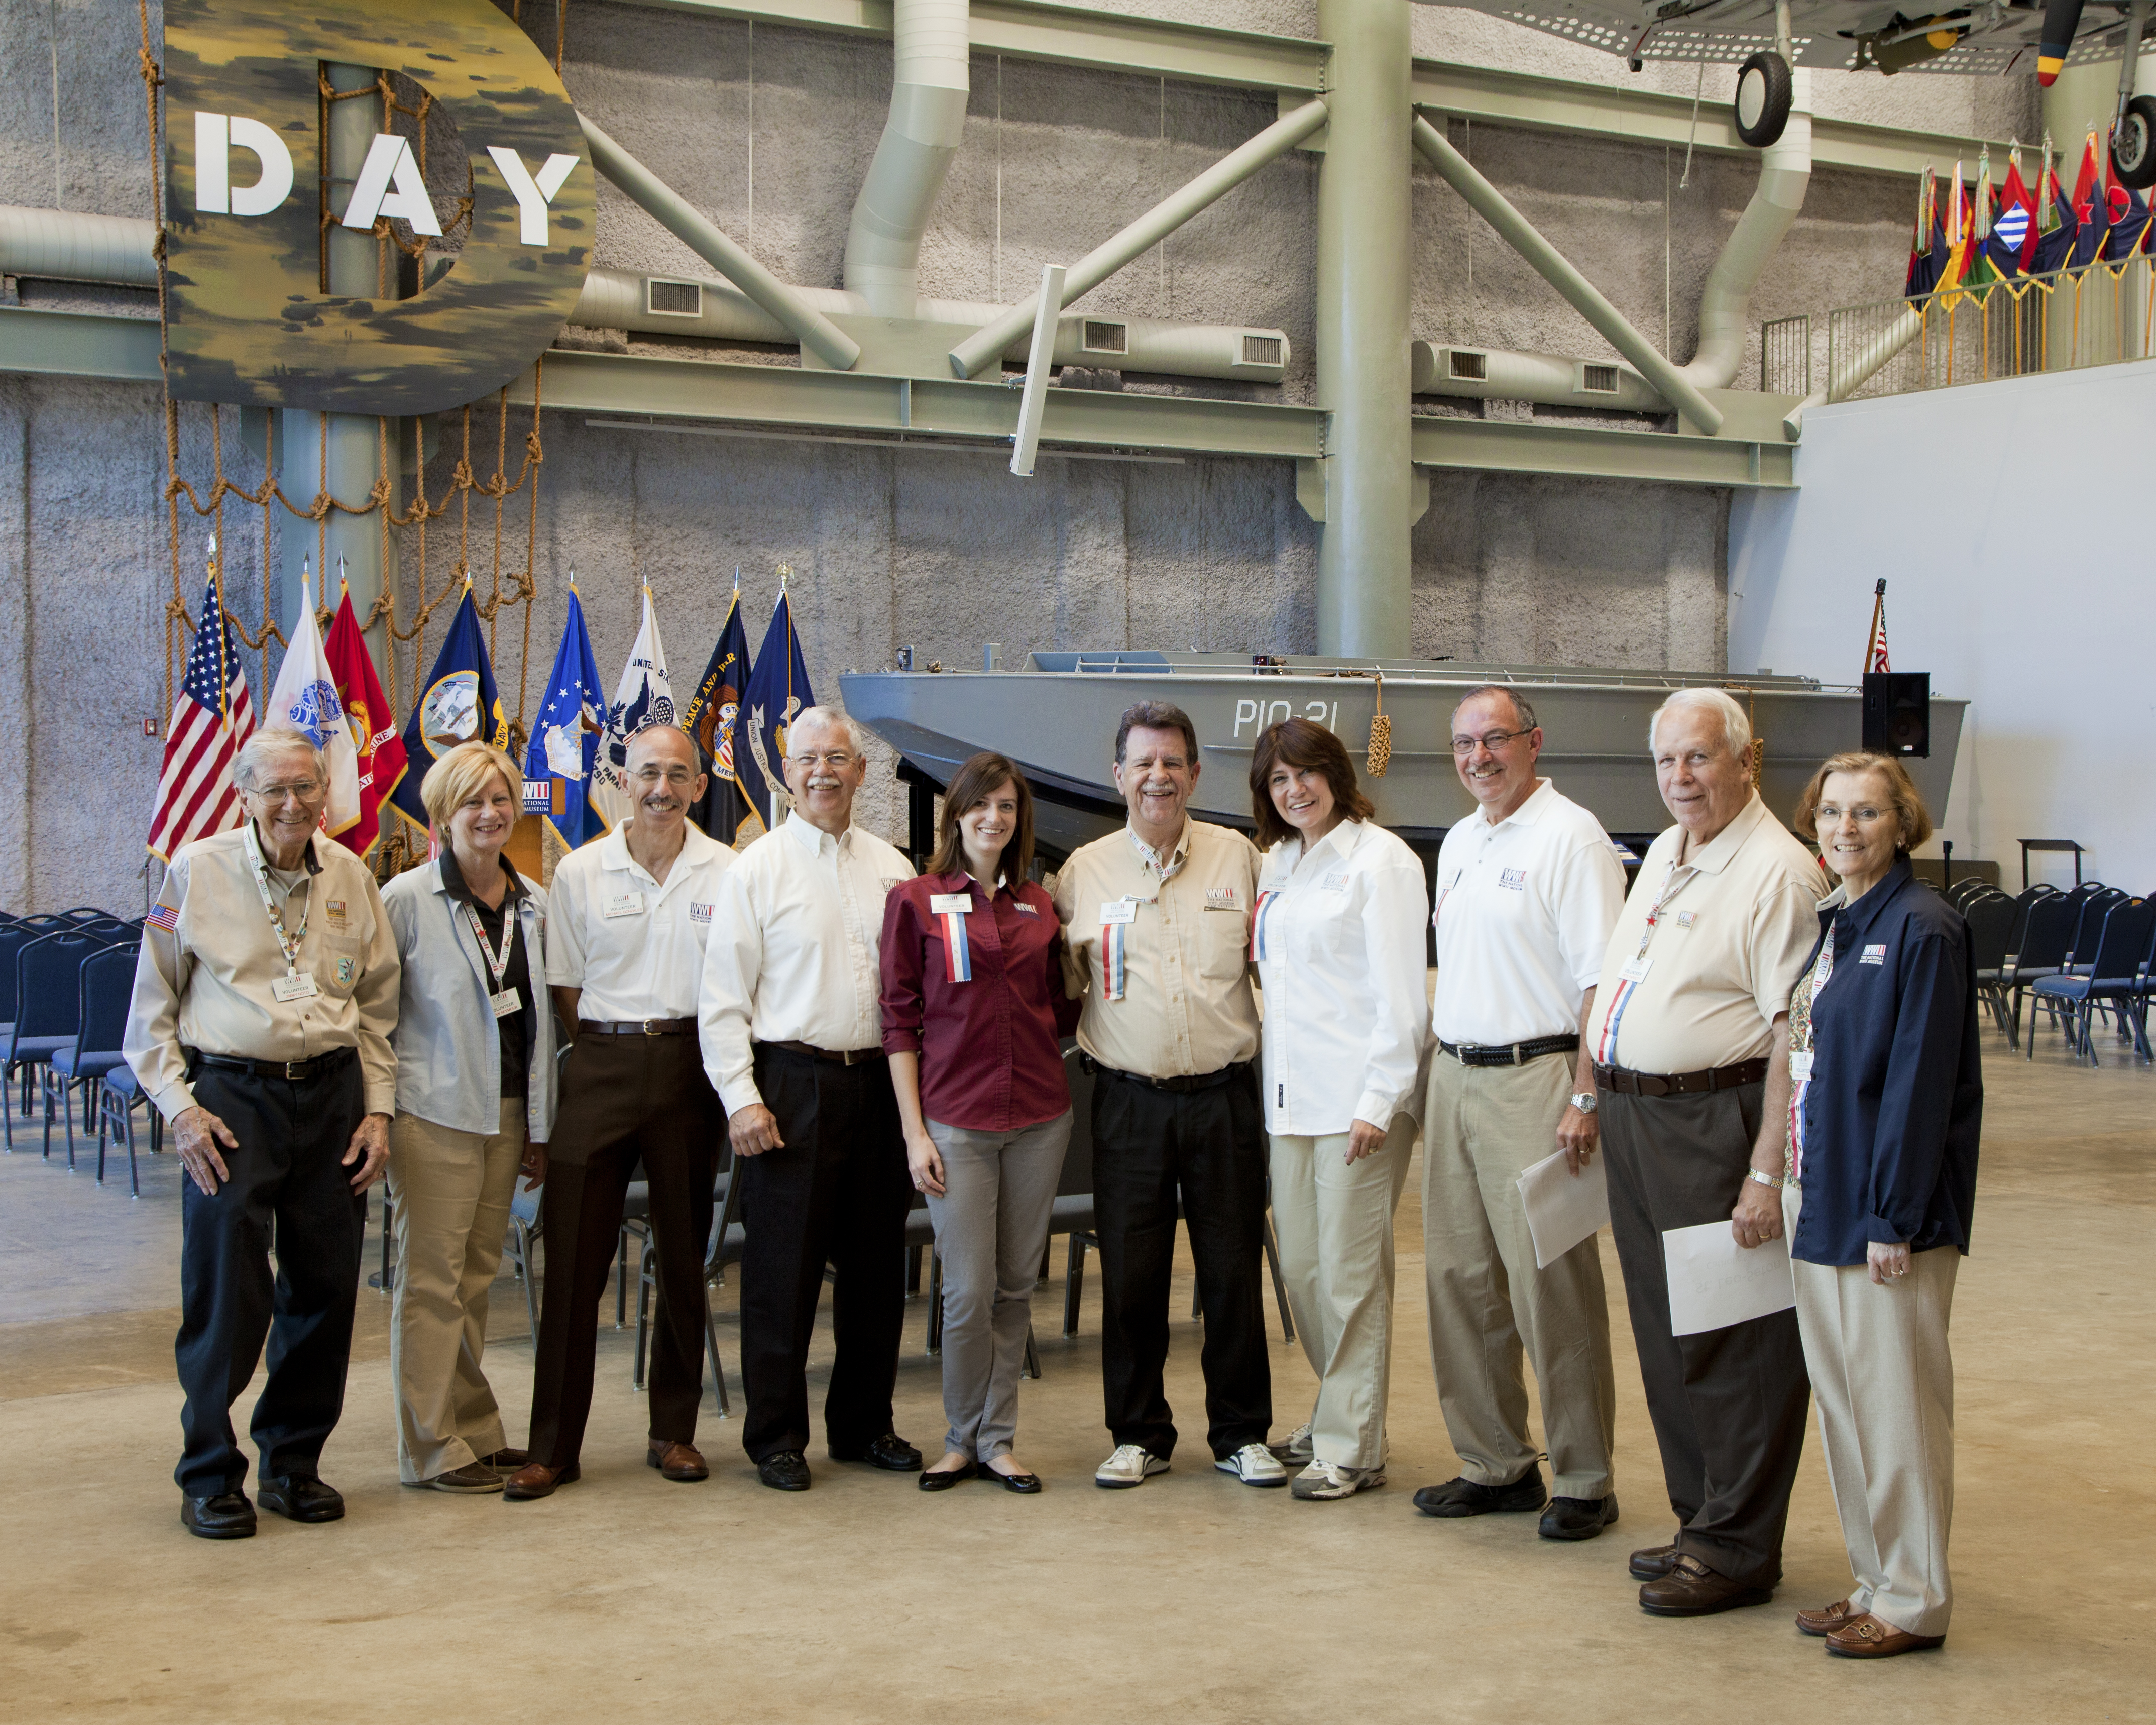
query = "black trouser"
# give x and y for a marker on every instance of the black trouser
(622, 1098)
(1210, 1144)
(292, 1136)
(1728, 1405)
(838, 1192)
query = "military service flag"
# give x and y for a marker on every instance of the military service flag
(644, 696)
(777, 689)
(374, 736)
(458, 705)
(565, 738)
(724, 810)
(305, 697)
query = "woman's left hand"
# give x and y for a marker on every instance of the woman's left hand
(1889, 1263)
(1363, 1138)
(533, 1166)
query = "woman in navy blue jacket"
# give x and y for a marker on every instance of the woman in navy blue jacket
(1885, 1108)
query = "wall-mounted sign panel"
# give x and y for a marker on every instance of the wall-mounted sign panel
(246, 184)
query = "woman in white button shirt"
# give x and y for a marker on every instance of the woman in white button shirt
(1338, 938)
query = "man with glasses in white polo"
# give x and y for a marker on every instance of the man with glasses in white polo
(1528, 888)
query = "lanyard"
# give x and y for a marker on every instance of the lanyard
(288, 944)
(1680, 876)
(497, 963)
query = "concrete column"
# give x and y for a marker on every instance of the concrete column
(1363, 570)
(354, 440)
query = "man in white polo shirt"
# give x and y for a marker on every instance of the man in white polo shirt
(1528, 887)
(1690, 1036)
(625, 961)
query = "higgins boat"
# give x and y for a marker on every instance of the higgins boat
(1056, 716)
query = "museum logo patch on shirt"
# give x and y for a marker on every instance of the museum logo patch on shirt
(1024, 909)
(336, 910)
(1336, 882)
(1222, 898)
(1686, 918)
(1515, 880)
(1874, 954)
(699, 913)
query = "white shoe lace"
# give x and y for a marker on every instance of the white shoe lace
(1128, 1458)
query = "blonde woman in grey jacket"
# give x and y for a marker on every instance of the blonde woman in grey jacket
(475, 1046)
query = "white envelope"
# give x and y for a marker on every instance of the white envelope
(1562, 1207)
(1714, 1282)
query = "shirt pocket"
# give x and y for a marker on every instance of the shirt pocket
(336, 971)
(1224, 944)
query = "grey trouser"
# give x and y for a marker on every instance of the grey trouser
(991, 1229)
(1489, 1305)
(1884, 1381)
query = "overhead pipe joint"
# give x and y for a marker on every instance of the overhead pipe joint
(930, 82)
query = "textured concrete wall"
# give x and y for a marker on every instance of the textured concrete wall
(770, 130)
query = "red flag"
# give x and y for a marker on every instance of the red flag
(373, 725)
(1874, 650)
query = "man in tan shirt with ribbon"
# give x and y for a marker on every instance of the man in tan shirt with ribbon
(1157, 923)
(264, 1000)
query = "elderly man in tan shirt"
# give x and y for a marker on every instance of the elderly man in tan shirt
(1689, 1036)
(264, 996)
(1156, 921)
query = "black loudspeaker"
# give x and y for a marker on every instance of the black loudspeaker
(1897, 712)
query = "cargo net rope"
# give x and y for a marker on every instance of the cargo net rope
(512, 587)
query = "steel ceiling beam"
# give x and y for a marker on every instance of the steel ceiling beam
(79, 344)
(1590, 452)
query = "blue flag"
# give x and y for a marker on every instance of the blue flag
(725, 810)
(777, 689)
(458, 703)
(565, 738)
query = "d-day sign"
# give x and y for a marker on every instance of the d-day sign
(249, 206)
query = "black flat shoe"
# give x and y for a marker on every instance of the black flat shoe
(1026, 1485)
(1464, 1497)
(301, 1497)
(786, 1471)
(1578, 1517)
(227, 1516)
(890, 1452)
(942, 1478)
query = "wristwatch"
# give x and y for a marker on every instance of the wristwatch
(1584, 1101)
(1752, 1174)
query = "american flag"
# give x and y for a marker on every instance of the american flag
(211, 719)
(1874, 650)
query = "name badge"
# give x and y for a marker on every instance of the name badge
(1118, 910)
(1800, 1065)
(623, 904)
(1336, 882)
(942, 904)
(506, 1004)
(299, 986)
(1634, 970)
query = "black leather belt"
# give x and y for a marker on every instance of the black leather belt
(1515, 1054)
(1182, 1086)
(636, 1027)
(836, 1057)
(294, 1071)
(1628, 1083)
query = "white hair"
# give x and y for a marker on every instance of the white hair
(271, 743)
(831, 716)
(1736, 728)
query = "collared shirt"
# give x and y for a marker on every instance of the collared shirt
(515, 1032)
(983, 1004)
(795, 955)
(1701, 985)
(211, 959)
(1893, 1104)
(1338, 938)
(634, 945)
(1159, 951)
(1524, 910)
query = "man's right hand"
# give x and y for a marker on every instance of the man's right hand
(754, 1129)
(197, 1133)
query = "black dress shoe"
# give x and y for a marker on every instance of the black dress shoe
(942, 1478)
(507, 1460)
(227, 1516)
(890, 1452)
(786, 1471)
(1464, 1497)
(1578, 1517)
(1691, 1589)
(1026, 1485)
(1651, 1563)
(299, 1497)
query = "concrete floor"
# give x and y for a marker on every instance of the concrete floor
(1193, 1599)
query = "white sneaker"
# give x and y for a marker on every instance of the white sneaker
(1322, 1482)
(1128, 1466)
(1298, 1448)
(1253, 1465)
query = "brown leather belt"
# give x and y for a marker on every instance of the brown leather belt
(1628, 1083)
(836, 1057)
(636, 1027)
(1181, 1084)
(1509, 1053)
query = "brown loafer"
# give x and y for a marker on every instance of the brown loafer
(1827, 1619)
(1868, 1637)
(1652, 1563)
(507, 1460)
(1691, 1589)
(535, 1479)
(676, 1461)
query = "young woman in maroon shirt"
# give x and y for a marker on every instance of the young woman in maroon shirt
(974, 1009)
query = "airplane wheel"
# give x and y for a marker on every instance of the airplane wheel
(2133, 144)
(1763, 90)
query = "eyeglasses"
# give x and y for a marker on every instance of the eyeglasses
(1492, 741)
(1828, 812)
(653, 773)
(305, 789)
(838, 760)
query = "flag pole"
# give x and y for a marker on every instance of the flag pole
(216, 592)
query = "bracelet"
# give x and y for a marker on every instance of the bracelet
(1752, 1174)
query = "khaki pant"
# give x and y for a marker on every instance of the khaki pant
(451, 1190)
(1884, 1379)
(1482, 1127)
(1335, 1224)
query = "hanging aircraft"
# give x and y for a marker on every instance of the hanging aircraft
(1764, 39)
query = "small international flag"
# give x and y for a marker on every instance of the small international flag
(164, 916)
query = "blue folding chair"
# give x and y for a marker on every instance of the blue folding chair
(117, 1095)
(107, 983)
(47, 1009)
(2046, 934)
(2117, 971)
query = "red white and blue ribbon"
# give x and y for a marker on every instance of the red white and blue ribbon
(1114, 960)
(1605, 1047)
(957, 955)
(1259, 926)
